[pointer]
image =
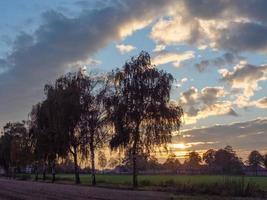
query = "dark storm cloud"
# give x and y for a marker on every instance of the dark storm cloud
(61, 41)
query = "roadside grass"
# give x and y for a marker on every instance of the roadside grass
(204, 197)
(225, 187)
(160, 180)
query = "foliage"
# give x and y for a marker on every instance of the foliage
(255, 159)
(265, 160)
(15, 146)
(209, 157)
(193, 160)
(172, 163)
(139, 108)
(102, 160)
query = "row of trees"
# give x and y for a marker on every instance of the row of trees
(129, 109)
(221, 161)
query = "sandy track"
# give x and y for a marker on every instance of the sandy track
(18, 190)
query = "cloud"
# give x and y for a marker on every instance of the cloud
(202, 104)
(245, 78)
(175, 30)
(243, 136)
(252, 9)
(225, 59)
(60, 42)
(235, 26)
(261, 103)
(184, 80)
(159, 47)
(171, 57)
(243, 36)
(122, 48)
(180, 82)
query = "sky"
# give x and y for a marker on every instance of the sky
(215, 49)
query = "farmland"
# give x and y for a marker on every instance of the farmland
(159, 180)
(116, 184)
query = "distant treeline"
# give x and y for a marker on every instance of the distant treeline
(222, 161)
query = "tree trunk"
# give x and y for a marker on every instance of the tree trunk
(36, 176)
(13, 172)
(7, 171)
(93, 164)
(53, 172)
(76, 170)
(135, 181)
(44, 172)
(36, 172)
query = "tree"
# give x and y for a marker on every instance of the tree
(227, 161)
(5, 149)
(113, 162)
(94, 123)
(46, 127)
(15, 146)
(153, 163)
(265, 161)
(64, 112)
(172, 163)
(140, 108)
(209, 157)
(255, 160)
(102, 160)
(141, 159)
(193, 160)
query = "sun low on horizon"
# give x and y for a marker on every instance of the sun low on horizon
(215, 50)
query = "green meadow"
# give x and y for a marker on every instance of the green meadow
(159, 180)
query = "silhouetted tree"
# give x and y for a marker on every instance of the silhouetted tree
(172, 163)
(66, 99)
(153, 163)
(193, 160)
(5, 148)
(113, 162)
(209, 157)
(141, 159)
(15, 147)
(102, 160)
(227, 161)
(255, 160)
(46, 129)
(265, 161)
(94, 123)
(140, 109)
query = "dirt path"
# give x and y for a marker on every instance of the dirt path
(13, 190)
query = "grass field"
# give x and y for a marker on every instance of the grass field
(158, 180)
(183, 187)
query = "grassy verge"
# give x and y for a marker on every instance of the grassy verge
(188, 184)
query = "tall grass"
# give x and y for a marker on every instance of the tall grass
(228, 187)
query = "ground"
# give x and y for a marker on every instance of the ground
(29, 190)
